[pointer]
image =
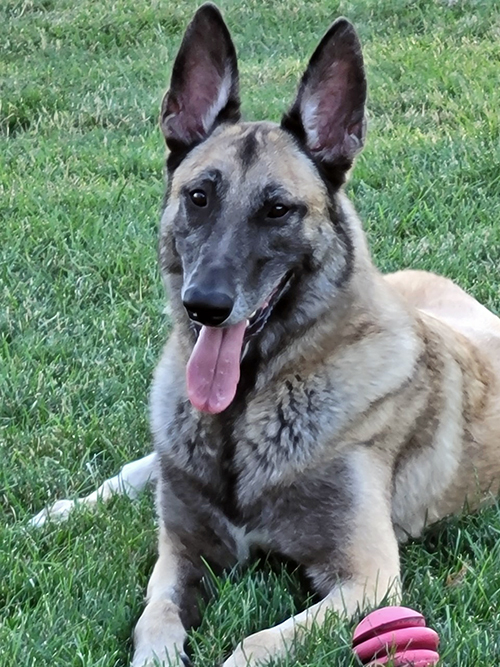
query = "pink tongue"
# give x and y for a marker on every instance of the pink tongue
(213, 369)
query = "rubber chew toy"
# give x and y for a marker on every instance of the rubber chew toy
(396, 636)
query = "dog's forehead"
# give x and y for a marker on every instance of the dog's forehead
(253, 155)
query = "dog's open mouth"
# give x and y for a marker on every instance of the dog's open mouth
(259, 318)
(213, 370)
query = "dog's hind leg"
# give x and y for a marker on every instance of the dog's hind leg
(130, 481)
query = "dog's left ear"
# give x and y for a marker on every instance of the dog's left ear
(328, 115)
(204, 85)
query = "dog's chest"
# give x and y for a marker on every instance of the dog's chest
(253, 446)
(281, 433)
(262, 472)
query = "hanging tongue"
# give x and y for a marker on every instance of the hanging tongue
(213, 370)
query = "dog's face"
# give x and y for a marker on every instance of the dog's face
(250, 212)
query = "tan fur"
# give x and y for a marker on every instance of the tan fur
(371, 405)
(159, 632)
(470, 334)
(416, 359)
(219, 152)
(467, 380)
(366, 412)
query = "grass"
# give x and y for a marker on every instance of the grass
(81, 306)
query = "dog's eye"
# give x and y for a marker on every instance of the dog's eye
(277, 211)
(199, 198)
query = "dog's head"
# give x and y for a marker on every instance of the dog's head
(251, 214)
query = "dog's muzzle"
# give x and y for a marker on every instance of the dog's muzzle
(209, 308)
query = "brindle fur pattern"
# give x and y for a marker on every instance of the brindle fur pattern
(367, 407)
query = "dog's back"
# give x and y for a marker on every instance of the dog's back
(467, 464)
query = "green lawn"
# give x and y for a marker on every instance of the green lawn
(81, 305)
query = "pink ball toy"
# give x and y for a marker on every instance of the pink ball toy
(396, 634)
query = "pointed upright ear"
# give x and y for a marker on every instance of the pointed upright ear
(204, 85)
(328, 115)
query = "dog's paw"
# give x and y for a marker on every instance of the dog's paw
(59, 511)
(163, 660)
(159, 637)
(257, 649)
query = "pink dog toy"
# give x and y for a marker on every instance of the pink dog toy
(396, 634)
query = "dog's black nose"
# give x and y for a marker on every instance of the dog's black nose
(209, 308)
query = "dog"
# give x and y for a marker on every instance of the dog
(304, 403)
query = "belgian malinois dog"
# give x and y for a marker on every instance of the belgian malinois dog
(304, 403)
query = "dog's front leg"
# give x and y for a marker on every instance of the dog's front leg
(368, 575)
(159, 635)
(191, 535)
(279, 641)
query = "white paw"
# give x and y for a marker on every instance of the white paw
(59, 511)
(164, 659)
(159, 637)
(256, 650)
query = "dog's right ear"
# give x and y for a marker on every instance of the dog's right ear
(328, 114)
(204, 85)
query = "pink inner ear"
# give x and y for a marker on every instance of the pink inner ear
(195, 106)
(334, 110)
(333, 97)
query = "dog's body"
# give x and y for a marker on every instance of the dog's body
(363, 407)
